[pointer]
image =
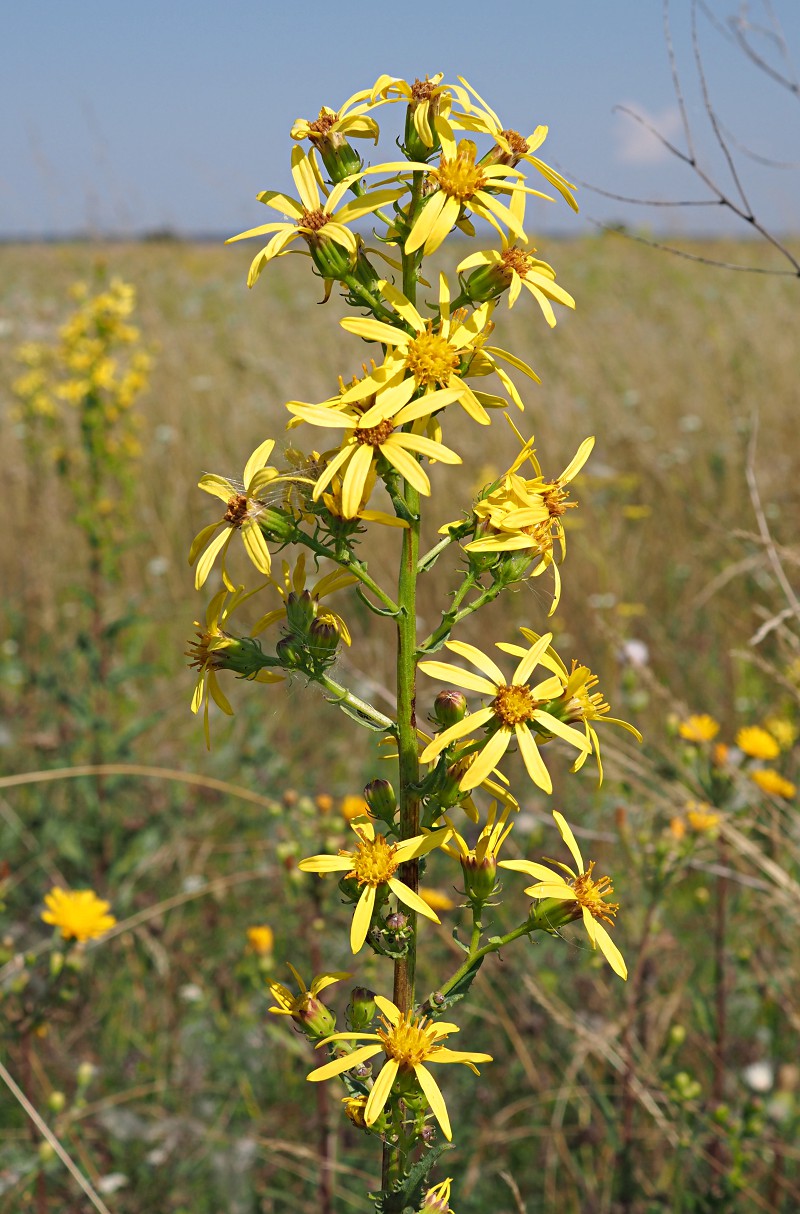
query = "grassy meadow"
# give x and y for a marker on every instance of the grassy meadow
(678, 1091)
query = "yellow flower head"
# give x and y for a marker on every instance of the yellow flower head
(578, 702)
(756, 743)
(261, 939)
(205, 654)
(374, 428)
(479, 863)
(433, 358)
(516, 712)
(772, 782)
(527, 515)
(437, 1199)
(245, 507)
(511, 268)
(589, 894)
(305, 1008)
(322, 225)
(78, 914)
(409, 1044)
(333, 127)
(702, 818)
(699, 728)
(373, 863)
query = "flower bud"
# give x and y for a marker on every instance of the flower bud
(56, 1101)
(85, 1074)
(331, 259)
(289, 653)
(314, 1018)
(361, 1009)
(449, 708)
(487, 282)
(480, 876)
(276, 524)
(323, 638)
(299, 612)
(380, 797)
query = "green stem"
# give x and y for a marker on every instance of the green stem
(357, 568)
(475, 955)
(455, 615)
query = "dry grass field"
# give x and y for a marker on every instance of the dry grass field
(603, 1098)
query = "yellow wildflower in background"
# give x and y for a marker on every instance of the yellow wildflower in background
(699, 728)
(409, 1043)
(515, 709)
(757, 743)
(589, 894)
(261, 939)
(373, 864)
(772, 782)
(353, 806)
(783, 731)
(436, 900)
(78, 914)
(702, 817)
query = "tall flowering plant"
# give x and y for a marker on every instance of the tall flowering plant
(462, 172)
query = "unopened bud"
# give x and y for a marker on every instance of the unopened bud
(380, 797)
(315, 1019)
(323, 638)
(289, 653)
(56, 1101)
(361, 1009)
(449, 708)
(299, 612)
(480, 876)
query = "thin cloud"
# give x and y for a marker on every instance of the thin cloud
(636, 143)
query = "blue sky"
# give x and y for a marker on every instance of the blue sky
(123, 118)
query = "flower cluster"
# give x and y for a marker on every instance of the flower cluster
(389, 438)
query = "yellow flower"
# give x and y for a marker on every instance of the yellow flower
(353, 806)
(320, 224)
(305, 1008)
(428, 100)
(369, 435)
(699, 728)
(511, 269)
(511, 147)
(205, 655)
(334, 126)
(515, 708)
(436, 900)
(522, 515)
(333, 501)
(409, 1044)
(479, 863)
(437, 1199)
(783, 731)
(577, 702)
(261, 939)
(757, 743)
(373, 864)
(435, 357)
(589, 895)
(244, 509)
(294, 590)
(77, 913)
(702, 818)
(773, 783)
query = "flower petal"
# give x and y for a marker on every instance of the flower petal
(434, 1097)
(380, 1090)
